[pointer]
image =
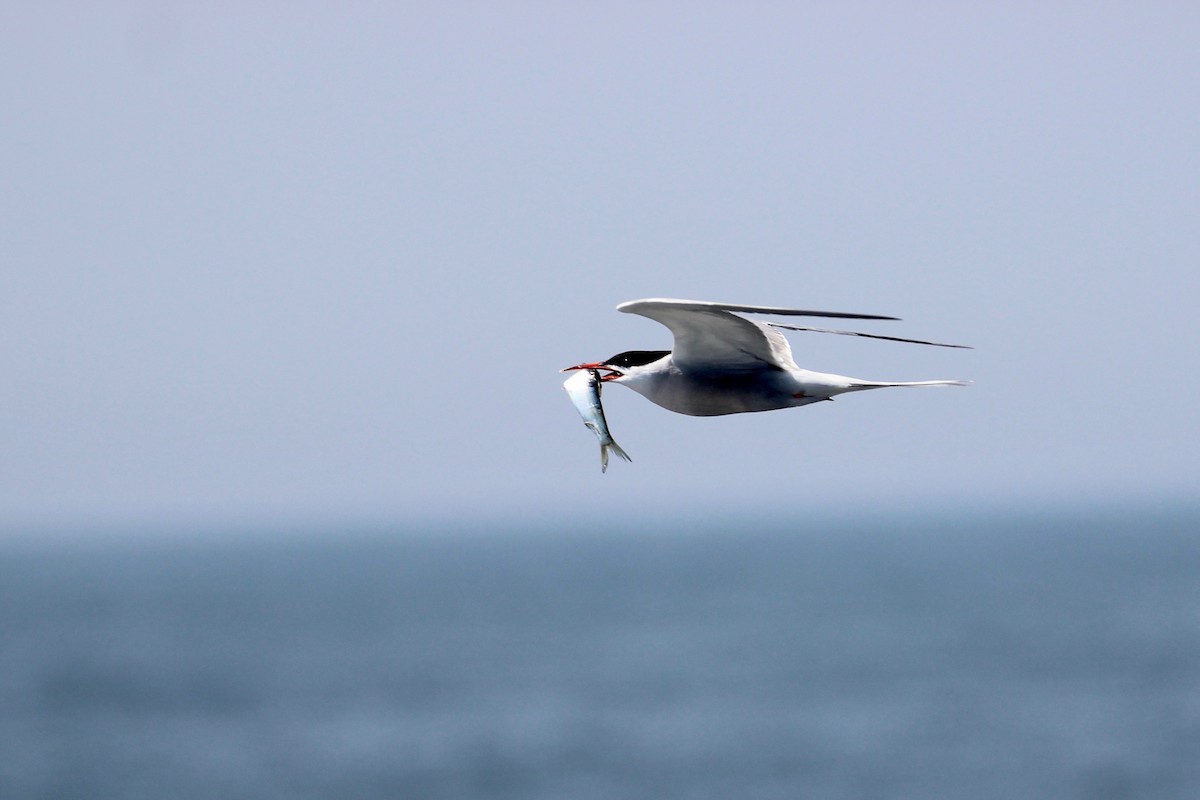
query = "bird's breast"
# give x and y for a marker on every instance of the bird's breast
(710, 395)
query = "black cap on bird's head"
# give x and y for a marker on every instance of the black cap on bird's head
(623, 361)
(636, 358)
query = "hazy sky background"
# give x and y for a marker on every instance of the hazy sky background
(310, 263)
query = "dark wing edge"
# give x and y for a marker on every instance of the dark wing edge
(867, 335)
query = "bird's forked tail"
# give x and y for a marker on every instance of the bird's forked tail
(859, 385)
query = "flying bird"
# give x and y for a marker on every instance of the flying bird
(723, 363)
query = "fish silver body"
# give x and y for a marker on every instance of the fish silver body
(584, 390)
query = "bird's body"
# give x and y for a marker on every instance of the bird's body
(723, 363)
(704, 394)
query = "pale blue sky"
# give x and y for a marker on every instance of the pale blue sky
(306, 263)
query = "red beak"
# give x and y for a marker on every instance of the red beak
(612, 373)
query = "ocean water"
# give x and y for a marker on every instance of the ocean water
(1053, 656)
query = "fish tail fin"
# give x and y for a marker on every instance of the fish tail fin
(616, 448)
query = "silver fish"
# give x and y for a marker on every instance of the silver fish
(584, 389)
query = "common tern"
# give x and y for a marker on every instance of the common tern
(722, 363)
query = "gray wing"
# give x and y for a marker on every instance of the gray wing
(635, 306)
(709, 338)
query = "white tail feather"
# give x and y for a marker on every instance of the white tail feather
(884, 384)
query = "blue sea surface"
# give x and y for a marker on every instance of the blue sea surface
(1035, 656)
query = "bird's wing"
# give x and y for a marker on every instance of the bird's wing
(709, 337)
(867, 335)
(635, 306)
